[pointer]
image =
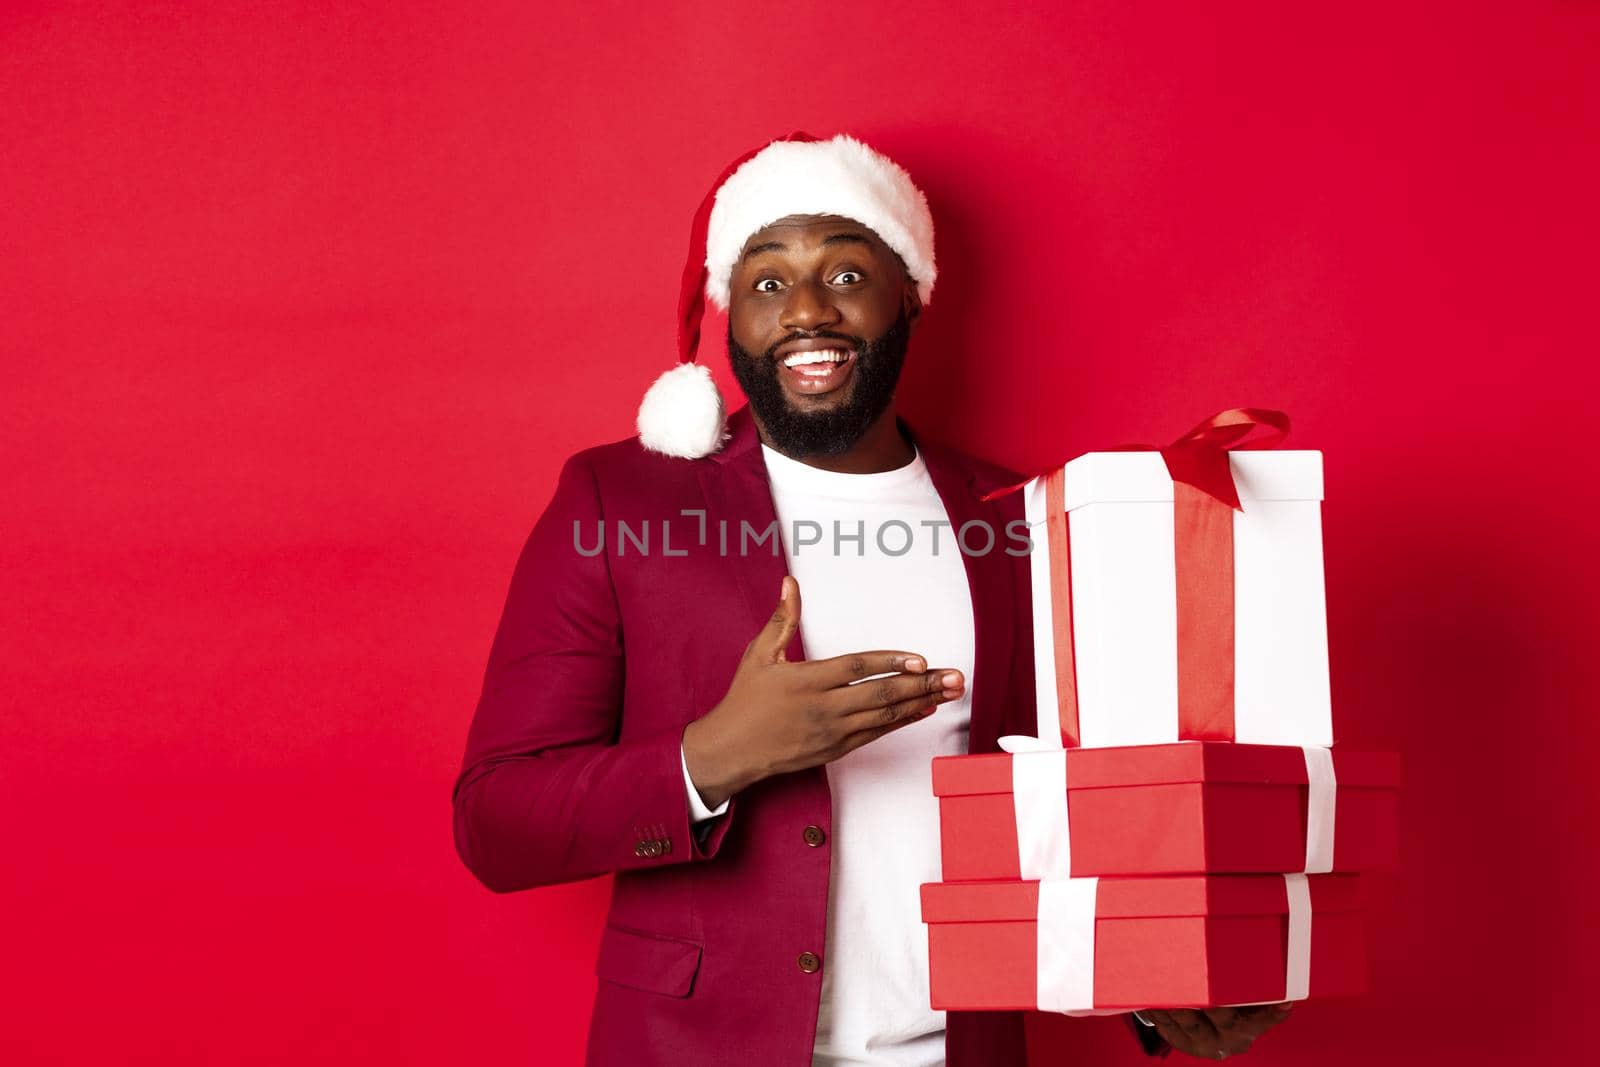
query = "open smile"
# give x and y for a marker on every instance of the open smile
(812, 368)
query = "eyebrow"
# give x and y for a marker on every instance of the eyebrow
(845, 238)
(765, 246)
(831, 239)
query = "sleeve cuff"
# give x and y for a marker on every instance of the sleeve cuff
(1149, 1038)
(698, 812)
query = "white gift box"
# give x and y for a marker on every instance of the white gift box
(1124, 594)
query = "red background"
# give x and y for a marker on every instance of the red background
(305, 305)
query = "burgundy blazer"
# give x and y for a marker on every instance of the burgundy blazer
(572, 764)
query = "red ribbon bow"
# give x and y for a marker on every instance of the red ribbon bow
(1204, 498)
(1200, 457)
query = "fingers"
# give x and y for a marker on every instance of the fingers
(876, 694)
(927, 692)
(890, 714)
(1264, 1017)
(1187, 1031)
(854, 666)
(890, 720)
(1251, 1022)
(768, 646)
(1217, 1033)
(1235, 1033)
(1196, 1026)
(878, 706)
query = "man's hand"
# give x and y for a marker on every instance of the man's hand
(779, 716)
(1217, 1033)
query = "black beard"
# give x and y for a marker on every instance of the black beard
(806, 433)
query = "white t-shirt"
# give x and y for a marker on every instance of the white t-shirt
(901, 585)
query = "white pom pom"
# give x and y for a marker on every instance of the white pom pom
(682, 413)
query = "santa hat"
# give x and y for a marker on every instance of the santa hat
(682, 413)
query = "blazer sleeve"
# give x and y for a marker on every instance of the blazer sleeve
(1149, 1040)
(548, 792)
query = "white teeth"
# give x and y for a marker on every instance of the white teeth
(830, 355)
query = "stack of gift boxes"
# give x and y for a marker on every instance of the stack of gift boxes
(1182, 832)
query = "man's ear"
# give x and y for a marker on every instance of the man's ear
(912, 303)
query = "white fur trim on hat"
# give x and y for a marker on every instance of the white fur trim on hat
(682, 413)
(840, 176)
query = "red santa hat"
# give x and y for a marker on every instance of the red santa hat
(682, 413)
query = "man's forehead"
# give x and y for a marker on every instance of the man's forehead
(806, 228)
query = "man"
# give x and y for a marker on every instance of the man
(657, 704)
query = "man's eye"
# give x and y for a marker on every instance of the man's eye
(767, 285)
(847, 277)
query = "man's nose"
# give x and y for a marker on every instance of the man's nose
(809, 307)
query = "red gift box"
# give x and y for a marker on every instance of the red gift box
(1165, 942)
(1189, 807)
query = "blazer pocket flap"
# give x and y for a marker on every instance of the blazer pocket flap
(650, 962)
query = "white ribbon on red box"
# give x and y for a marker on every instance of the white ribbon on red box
(1065, 944)
(1044, 835)
(1297, 983)
(1321, 793)
(1066, 909)
(1044, 829)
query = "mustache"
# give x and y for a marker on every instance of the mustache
(857, 344)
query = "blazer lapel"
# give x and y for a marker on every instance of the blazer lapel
(736, 489)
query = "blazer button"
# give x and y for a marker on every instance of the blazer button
(641, 850)
(814, 836)
(809, 962)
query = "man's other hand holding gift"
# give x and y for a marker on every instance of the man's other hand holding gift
(1216, 1033)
